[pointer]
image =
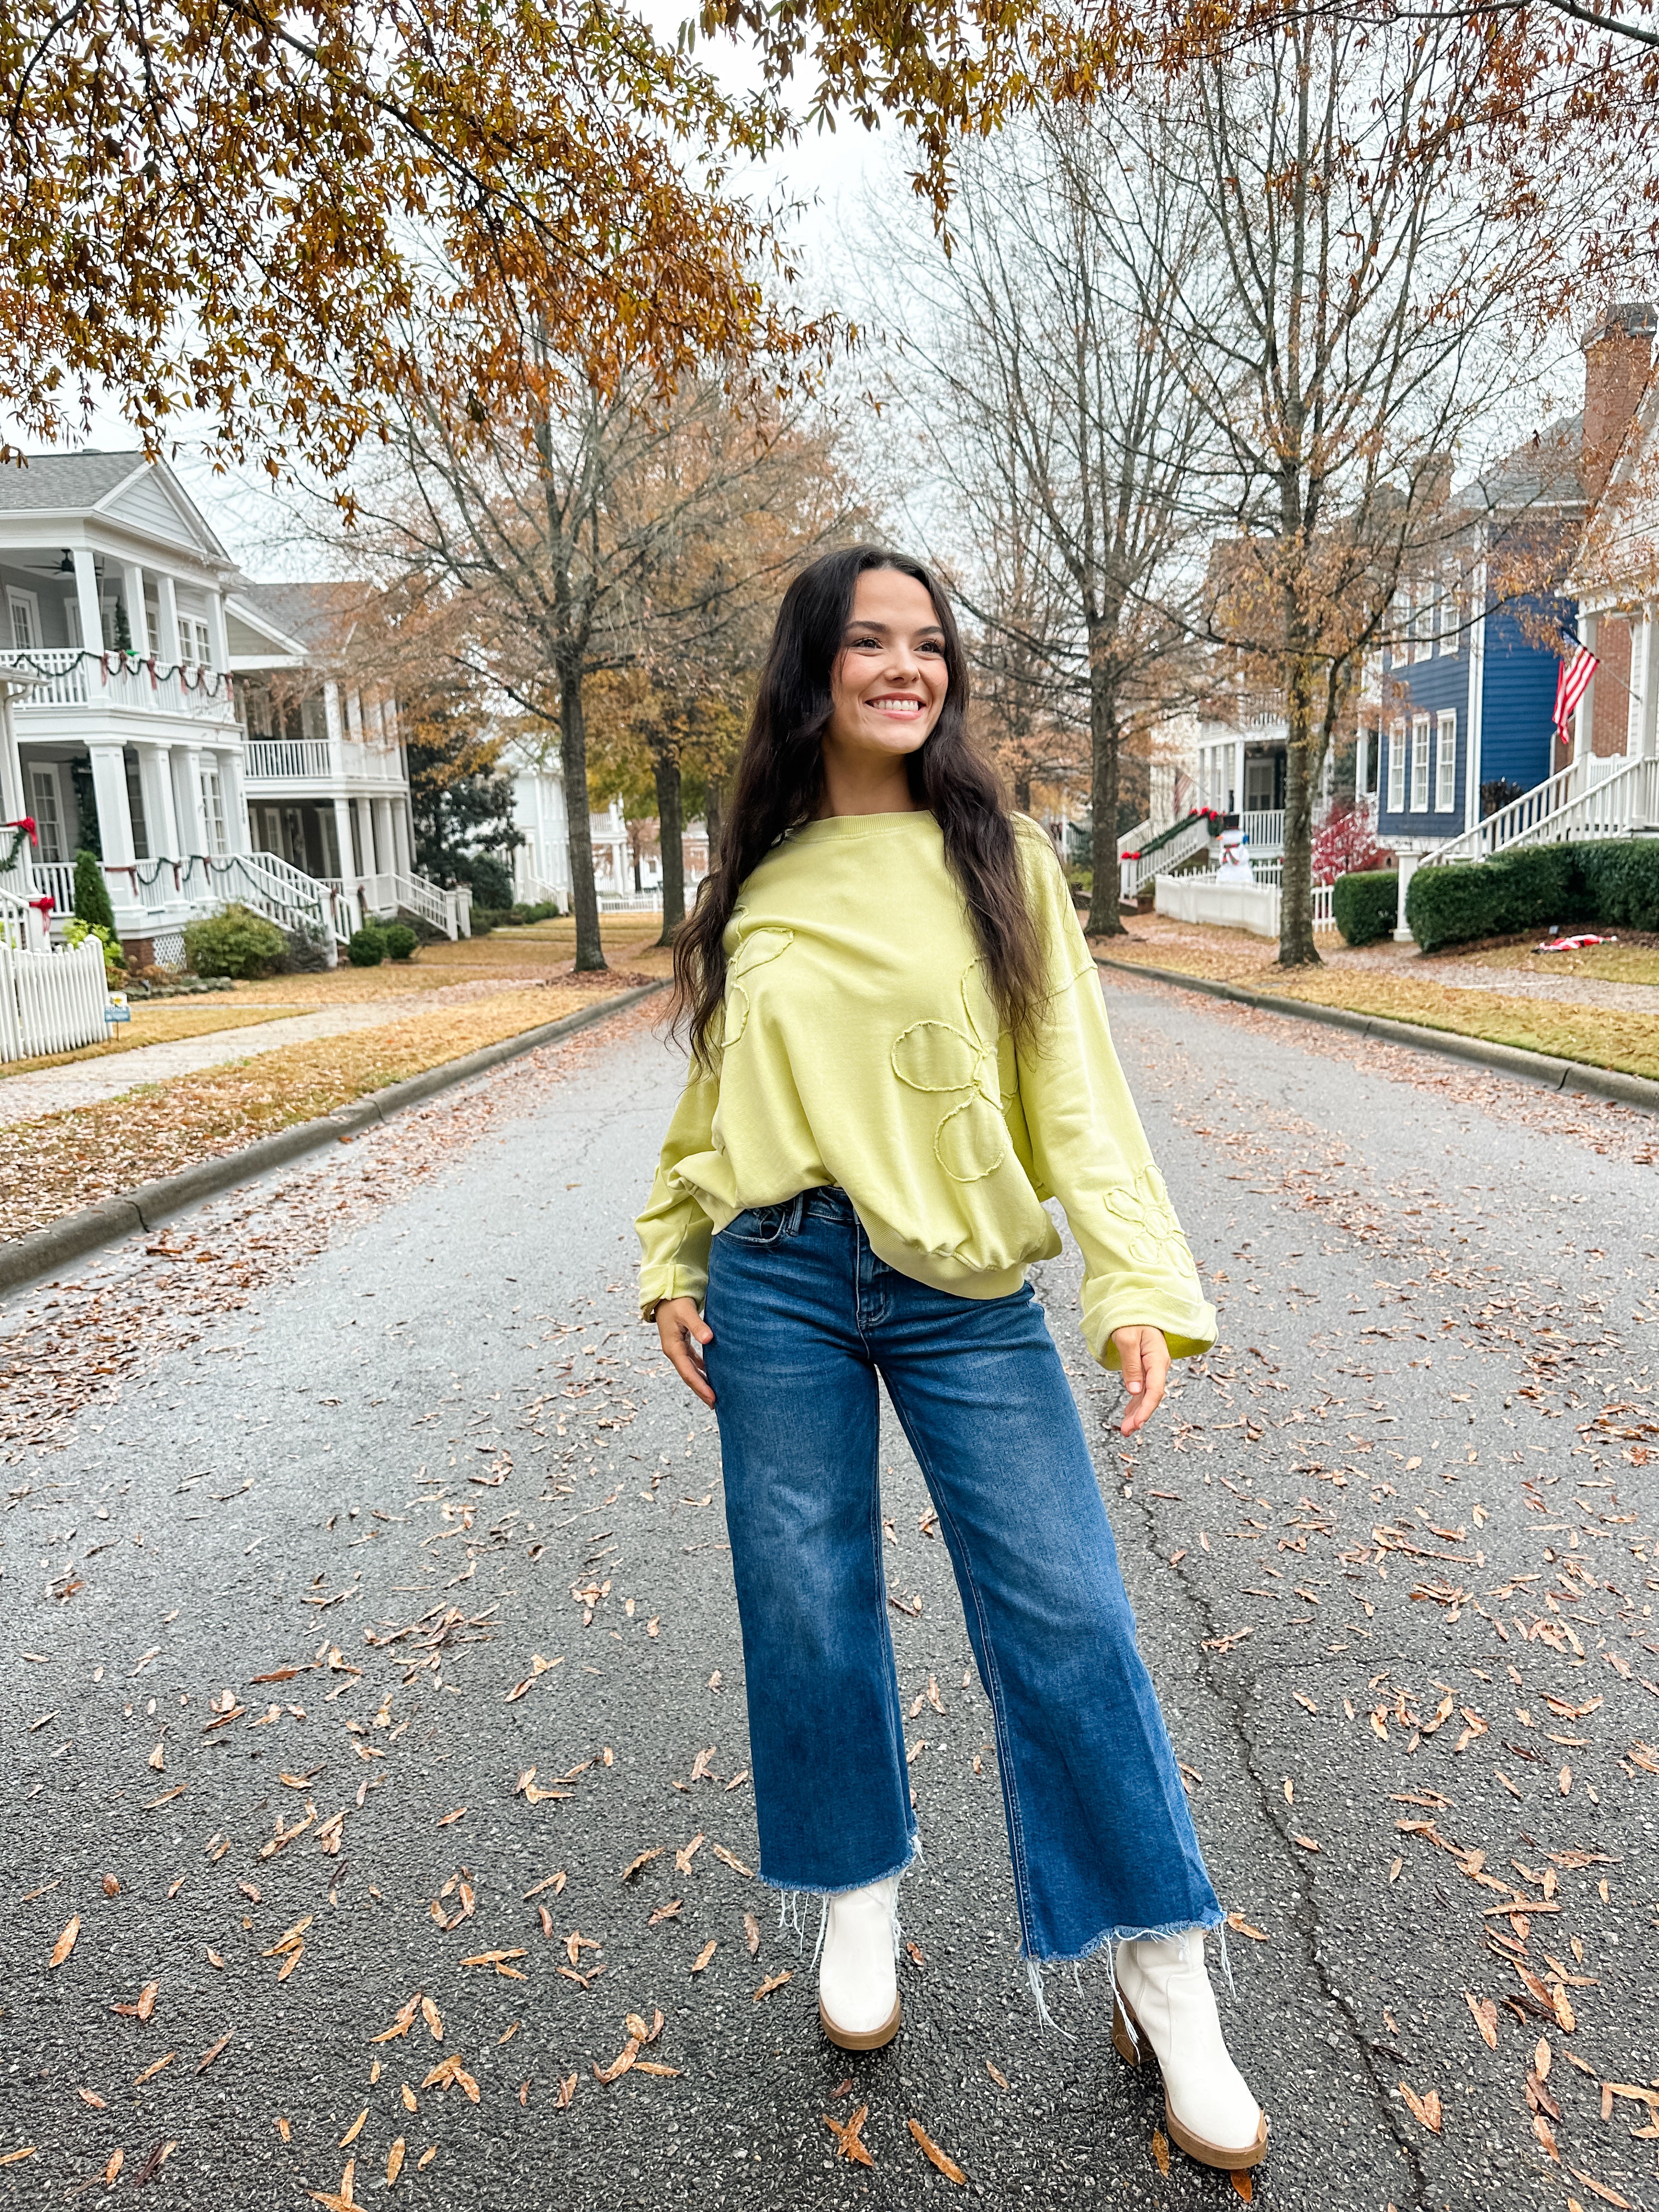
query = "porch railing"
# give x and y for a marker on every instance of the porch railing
(286, 760)
(1193, 838)
(72, 676)
(1265, 829)
(1574, 803)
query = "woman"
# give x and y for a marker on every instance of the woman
(899, 1052)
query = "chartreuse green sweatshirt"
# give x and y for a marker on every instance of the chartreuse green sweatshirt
(861, 1047)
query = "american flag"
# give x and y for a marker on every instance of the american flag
(1572, 685)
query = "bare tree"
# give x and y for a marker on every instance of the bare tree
(1350, 322)
(585, 535)
(1064, 436)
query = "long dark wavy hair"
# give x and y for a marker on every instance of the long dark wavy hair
(780, 786)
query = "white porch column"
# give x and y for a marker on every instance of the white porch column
(166, 647)
(1642, 742)
(342, 835)
(86, 598)
(403, 850)
(1362, 753)
(383, 846)
(221, 640)
(1238, 775)
(1407, 870)
(13, 804)
(237, 830)
(132, 588)
(186, 762)
(155, 782)
(366, 837)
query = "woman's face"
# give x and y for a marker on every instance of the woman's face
(889, 678)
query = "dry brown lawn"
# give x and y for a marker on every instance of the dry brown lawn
(1376, 981)
(64, 1161)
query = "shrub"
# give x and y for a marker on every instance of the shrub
(486, 918)
(1533, 888)
(1365, 904)
(92, 903)
(235, 942)
(307, 952)
(76, 931)
(401, 941)
(1345, 844)
(1621, 880)
(365, 947)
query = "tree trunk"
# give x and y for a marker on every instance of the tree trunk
(1295, 935)
(713, 819)
(573, 757)
(1022, 789)
(1105, 920)
(666, 767)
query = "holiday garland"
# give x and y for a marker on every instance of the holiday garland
(24, 829)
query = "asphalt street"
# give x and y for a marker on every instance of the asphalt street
(371, 1695)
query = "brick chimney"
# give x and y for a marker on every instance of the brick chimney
(1617, 361)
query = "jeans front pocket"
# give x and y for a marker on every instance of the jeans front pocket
(760, 1224)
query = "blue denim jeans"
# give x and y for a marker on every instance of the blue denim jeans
(805, 1317)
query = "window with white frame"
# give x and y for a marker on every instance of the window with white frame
(44, 806)
(1451, 618)
(1445, 763)
(195, 643)
(1396, 767)
(213, 811)
(1420, 763)
(25, 619)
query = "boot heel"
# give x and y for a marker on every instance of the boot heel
(1122, 2042)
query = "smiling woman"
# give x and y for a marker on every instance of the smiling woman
(900, 1052)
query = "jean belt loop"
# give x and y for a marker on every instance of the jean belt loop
(795, 1215)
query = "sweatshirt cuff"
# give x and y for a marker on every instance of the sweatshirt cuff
(1189, 1327)
(670, 1279)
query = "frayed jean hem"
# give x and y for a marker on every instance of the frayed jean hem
(788, 1889)
(1121, 1934)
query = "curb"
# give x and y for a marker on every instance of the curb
(26, 1257)
(1510, 1059)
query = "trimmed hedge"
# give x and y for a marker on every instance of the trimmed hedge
(401, 941)
(1540, 887)
(1621, 878)
(1365, 905)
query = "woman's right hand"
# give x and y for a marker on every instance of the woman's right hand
(683, 1329)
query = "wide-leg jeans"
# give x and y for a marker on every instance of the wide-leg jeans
(805, 1318)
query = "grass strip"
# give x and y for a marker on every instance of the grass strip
(1594, 1036)
(63, 1162)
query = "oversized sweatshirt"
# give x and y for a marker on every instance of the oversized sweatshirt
(861, 1047)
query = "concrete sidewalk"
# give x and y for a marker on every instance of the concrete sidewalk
(85, 1082)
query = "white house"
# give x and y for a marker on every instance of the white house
(125, 627)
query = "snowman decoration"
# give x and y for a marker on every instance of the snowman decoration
(1235, 862)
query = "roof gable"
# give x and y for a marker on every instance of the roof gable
(152, 499)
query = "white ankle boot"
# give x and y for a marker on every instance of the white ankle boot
(858, 1967)
(1168, 2001)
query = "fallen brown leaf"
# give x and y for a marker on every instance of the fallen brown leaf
(847, 2135)
(776, 1981)
(394, 2161)
(935, 2156)
(65, 1943)
(1160, 2150)
(1426, 2109)
(1485, 2018)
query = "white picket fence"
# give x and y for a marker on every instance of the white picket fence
(1223, 899)
(51, 1001)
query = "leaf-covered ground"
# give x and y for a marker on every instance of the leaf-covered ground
(380, 1776)
(1607, 1022)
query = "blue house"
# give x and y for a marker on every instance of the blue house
(1467, 705)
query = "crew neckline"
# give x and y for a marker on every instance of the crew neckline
(858, 825)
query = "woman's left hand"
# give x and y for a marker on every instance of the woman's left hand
(1146, 1357)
